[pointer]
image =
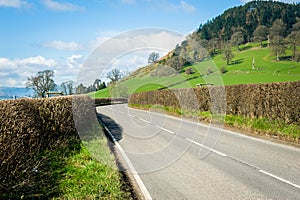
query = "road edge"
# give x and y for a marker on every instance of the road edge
(133, 176)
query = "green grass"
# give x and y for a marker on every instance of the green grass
(80, 170)
(84, 177)
(239, 72)
(260, 126)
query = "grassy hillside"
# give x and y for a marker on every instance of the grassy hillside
(239, 71)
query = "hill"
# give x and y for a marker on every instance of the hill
(213, 71)
(255, 43)
(247, 18)
(10, 92)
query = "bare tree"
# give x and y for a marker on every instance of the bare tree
(237, 38)
(260, 34)
(153, 57)
(114, 75)
(227, 53)
(278, 29)
(278, 46)
(212, 46)
(42, 82)
(67, 87)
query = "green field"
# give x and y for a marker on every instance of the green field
(239, 71)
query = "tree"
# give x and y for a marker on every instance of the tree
(277, 45)
(227, 53)
(67, 87)
(81, 89)
(294, 40)
(212, 46)
(153, 57)
(237, 38)
(42, 82)
(114, 75)
(176, 62)
(278, 29)
(98, 85)
(260, 34)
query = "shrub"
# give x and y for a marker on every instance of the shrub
(30, 127)
(189, 71)
(276, 101)
(223, 70)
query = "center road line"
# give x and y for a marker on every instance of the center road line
(205, 147)
(162, 128)
(144, 120)
(245, 163)
(280, 179)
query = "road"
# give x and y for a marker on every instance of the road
(182, 159)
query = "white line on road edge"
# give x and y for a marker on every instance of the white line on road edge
(162, 128)
(205, 147)
(136, 176)
(280, 179)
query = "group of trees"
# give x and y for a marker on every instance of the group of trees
(247, 18)
(97, 85)
(43, 82)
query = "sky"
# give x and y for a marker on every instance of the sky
(68, 36)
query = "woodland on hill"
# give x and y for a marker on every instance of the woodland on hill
(257, 21)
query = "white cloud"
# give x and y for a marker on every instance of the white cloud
(75, 61)
(58, 6)
(37, 60)
(284, 1)
(186, 7)
(13, 3)
(61, 45)
(14, 72)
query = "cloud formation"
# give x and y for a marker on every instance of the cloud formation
(14, 72)
(61, 45)
(58, 6)
(13, 3)
(186, 7)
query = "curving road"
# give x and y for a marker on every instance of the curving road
(182, 159)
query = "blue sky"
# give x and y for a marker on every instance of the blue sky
(61, 34)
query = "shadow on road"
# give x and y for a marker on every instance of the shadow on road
(114, 128)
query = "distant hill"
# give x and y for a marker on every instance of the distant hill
(10, 92)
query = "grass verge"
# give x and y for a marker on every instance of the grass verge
(71, 172)
(274, 129)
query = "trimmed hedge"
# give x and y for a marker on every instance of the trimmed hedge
(29, 127)
(276, 101)
(109, 101)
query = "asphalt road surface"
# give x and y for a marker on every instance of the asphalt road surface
(182, 159)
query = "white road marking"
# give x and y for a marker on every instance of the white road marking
(235, 134)
(144, 120)
(131, 115)
(136, 176)
(205, 147)
(280, 179)
(162, 128)
(225, 155)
